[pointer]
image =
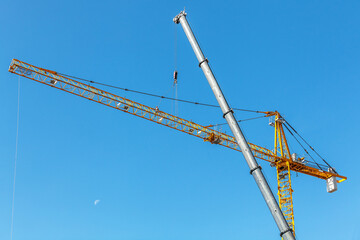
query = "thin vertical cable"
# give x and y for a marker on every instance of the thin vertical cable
(175, 48)
(16, 156)
(176, 111)
(176, 102)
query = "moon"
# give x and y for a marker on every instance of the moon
(96, 202)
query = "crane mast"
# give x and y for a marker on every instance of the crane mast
(286, 232)
(283, 174)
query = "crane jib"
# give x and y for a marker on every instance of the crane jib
(51, 78)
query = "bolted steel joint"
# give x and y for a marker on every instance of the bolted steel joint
(176, 19)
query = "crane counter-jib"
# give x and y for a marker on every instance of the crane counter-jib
(58, 81)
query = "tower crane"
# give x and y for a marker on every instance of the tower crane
(280, 158)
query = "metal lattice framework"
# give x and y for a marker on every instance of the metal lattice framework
(280, 157)
(55, 80)
(281, 148)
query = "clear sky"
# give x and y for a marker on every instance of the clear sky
(154, 183)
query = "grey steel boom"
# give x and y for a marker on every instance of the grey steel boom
(255, 169)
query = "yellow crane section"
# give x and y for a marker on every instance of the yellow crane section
(53, 79)
(280, 157)
(285, 190)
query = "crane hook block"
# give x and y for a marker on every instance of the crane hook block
(175, 76)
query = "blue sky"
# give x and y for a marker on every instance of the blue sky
(301, 59)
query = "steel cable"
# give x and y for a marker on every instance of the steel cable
(15, 161)
(155, 95)
(302, 147)
(310, 146)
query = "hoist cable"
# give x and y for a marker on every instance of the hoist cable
(243, 120)
(160, 101)
(310, 146)
(155, 95)
(15, 160)
(302, 146)
(175, 86)
(175, 47)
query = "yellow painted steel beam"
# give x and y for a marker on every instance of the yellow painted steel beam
(285, 193)
(55, 80)
(283, 173)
